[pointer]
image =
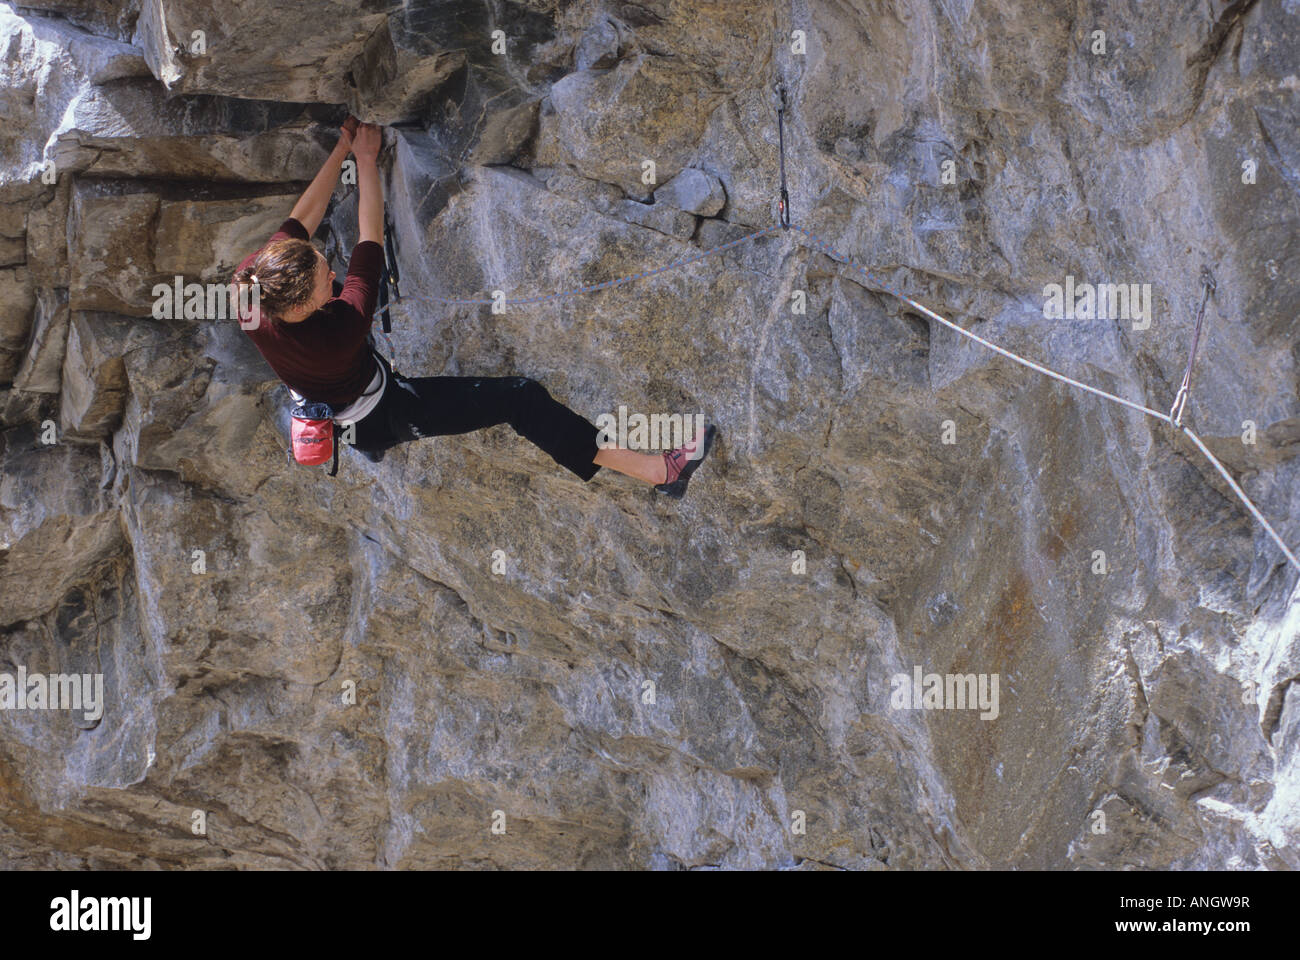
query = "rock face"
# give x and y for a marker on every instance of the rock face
(389, 668)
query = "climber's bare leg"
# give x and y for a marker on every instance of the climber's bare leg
(649, 467)
(668, 471)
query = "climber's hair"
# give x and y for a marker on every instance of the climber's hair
(285, 274)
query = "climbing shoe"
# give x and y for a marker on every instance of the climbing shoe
(681, 465)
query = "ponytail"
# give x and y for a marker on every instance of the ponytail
(282, 275)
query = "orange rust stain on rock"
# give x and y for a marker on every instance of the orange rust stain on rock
(1011, 623)
(23, 815)
(1055, 540)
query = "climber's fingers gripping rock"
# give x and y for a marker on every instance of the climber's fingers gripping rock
(367, 141)
(348, 131)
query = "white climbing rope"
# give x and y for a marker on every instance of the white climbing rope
(1241, 495)
(828, 251)
(889, 288)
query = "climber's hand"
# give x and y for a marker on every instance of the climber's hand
(366, 143)
(348, 131)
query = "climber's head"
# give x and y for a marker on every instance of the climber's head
(293, 279)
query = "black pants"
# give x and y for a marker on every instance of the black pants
(435, 406)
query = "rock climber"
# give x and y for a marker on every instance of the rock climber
(316, 337)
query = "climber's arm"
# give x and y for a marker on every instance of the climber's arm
(362, 286)
(370, 203)
(310, 207)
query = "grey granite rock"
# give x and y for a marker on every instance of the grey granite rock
(693, 191)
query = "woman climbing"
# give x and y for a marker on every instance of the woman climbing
(316, 338)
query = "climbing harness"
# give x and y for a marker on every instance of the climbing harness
(1173, 418)
(1180, 400)
(316, 427)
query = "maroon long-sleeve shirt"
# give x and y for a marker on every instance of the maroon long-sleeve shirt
(325, 357)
